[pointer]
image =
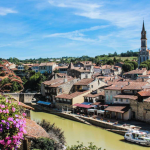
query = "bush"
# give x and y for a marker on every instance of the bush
(143, 66)
(12, 124)
(82, 147)
(42, 143)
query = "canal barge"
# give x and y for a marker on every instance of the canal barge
(138, 137)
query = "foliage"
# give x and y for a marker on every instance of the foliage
(56, 71)
(82, 147)
(143, 66)
(147, 62)
(110, 62)
(26, 67)
(43, 144)
(52, 129)
(135, 64)
(34, 82)
(127, 67)
(11, 125)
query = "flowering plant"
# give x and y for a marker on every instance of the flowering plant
(12, 123)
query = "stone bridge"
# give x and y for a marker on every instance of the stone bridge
(24, 97)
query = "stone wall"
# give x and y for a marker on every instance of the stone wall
(141, 110)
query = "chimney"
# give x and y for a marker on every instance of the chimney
(65, 79)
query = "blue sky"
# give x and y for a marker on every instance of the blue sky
(56, 28)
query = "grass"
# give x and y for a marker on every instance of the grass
(124, 58)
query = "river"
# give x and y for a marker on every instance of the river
(75, 131)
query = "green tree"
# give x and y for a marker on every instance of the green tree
(143, 66)
(14, 87)
(127, 67)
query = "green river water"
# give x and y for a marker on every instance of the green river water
(75, 131)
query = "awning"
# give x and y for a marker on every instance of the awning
(86, 103)
(82, 105)
(119, 109)
(43, 103)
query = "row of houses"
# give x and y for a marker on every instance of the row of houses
(126, 97)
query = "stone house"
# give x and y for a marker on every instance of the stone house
(55, 87)
(97, 69)
(66, 101)
(62, 69)
(84, 65)
(106, 69)
(113, 90)
(47, 67)
(35, 67)
(94, 97)
(88, 84)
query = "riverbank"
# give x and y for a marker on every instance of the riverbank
(109, 126)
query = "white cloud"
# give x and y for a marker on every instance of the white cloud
(5, 11)
(77, 35)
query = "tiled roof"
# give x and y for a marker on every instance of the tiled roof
(143, 75)
(86, 62)
(145, 92)
(134, 86)
(35, 130)
(138, 71)
(36, 64)
(95, 95)
(106, 67)
(57, 82)
(117, 86)
(120, 109)
(84, 81)
(126, 96)
(47, 64)
(72, 95)
(97, 67)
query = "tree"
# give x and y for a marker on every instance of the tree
(110, 62)
(135, 64)
(127, 67)
(56, 71)
(115, 60)
(143, 66)
(26, 67)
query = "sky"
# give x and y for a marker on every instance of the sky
(57, 28)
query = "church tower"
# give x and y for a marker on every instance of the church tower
(144, 53)
(143, 39)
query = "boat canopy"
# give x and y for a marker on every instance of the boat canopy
(43, 103)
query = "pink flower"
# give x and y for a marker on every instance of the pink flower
(6, 100)
(24, 114)
(3, 106)
(18, 103)
(7, 111)
(4, 111)
(13, 109)
(2, 142)
(8, 142)
(9, 101)
(1, 111)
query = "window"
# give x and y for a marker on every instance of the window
(110, 91)
(126, 100)
(116, 92)
(106, 91)
(121, 100)
(91, 86)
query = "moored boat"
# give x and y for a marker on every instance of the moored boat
(138, 137)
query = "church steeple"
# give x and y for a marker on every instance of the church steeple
(143, 32)
(143, 38)
(143, 28)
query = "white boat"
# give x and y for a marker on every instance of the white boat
(139, 137)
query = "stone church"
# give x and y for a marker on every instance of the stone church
(144, 53)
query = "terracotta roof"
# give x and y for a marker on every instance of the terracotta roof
(145, 92)
(47, 64)
(106, 67)
(84, 81)
(81, 70)
(117, 86)
(134, 86)
(147, 100)
(57, 82)
(36, 64)
(138, 71)
(86, 62)
(72, 95)
(97, 67)
(35, 130)
(95, 95)
(82, 105)
(126, 96)
(71, 66)
(143, 75)
(119, 109)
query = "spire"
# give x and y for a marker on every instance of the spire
(143, 28)
(71, 66)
